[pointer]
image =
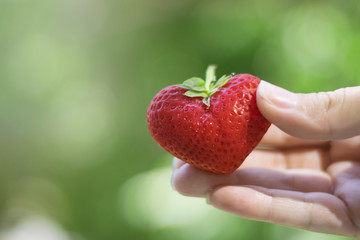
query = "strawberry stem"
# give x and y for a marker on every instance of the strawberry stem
(197, 87)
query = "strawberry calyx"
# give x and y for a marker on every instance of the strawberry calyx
(198, 87)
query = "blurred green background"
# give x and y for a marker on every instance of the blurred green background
(76, 77)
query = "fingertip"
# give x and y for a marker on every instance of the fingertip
(275, 96)
(183, 181)
(277, 105)
(177, 163)
(190, 181)
(265, 104)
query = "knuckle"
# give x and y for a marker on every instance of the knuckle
(326, 100)
(325, 109)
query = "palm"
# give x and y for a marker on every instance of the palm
(305, 184)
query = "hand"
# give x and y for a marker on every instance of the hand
(312, 184)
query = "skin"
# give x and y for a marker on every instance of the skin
(304, 174)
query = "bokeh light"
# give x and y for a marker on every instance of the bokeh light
(76, 77)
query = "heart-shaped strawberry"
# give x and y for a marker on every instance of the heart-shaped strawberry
(212, 124)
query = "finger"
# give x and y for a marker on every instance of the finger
(312, 211)
(177, 163)
(316, 116)
(191, 181)
(276, 138)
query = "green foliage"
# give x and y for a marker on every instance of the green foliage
(76, 80)
(198, 87)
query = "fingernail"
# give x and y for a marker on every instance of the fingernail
(277, 96)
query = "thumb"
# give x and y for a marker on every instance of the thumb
(321, 116)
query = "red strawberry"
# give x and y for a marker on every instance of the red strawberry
(212, 125)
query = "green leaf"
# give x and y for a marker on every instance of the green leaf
(194, 83)
(192, 93)
(222, 81)
(210, 76)
(205, 88)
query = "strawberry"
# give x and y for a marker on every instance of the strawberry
(212, 125)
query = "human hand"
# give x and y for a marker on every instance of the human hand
(306, 171)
